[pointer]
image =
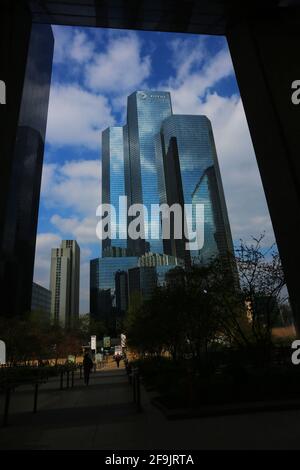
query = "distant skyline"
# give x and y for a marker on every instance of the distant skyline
(93, 73)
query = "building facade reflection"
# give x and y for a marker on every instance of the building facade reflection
(189, 174)
(19, 232)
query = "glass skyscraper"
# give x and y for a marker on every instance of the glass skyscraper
(19, 232)
(188, 173)
(145, 112)
(216, 238)
(41, 300)
(113, 184)
(121, 291)
(104, 274)
(141, 283)
(157, 158)
(102, 282)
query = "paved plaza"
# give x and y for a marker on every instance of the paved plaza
(104, 416)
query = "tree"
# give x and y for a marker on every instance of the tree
(205, 305)
(262, 285)
(177, 319)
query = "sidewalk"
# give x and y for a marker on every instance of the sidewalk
(103, 416)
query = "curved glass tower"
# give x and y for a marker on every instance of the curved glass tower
(188, 173)
(158, 158)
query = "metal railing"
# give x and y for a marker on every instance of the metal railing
(15, 376)
(12, 377)
(134, 380)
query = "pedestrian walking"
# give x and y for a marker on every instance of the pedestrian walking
(87, 367)
(117, 359)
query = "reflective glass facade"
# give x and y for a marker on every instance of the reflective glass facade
(19, 232)
(206, 192)
(102, 281)
(113, 183)
(121, 291)
(157, 158)
(145, 112)
(108, 268)
(189, 173)
(141, 282)
(161, 272)
(41, 300)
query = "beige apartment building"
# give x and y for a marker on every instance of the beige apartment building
(64, 283)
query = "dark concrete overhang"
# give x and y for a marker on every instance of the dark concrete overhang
(191, 16)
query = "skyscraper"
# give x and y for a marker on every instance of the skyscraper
(64, 283)
(216, 239)
(18, 234)
(188, 173)
(41, 300)
(145, 112)
(164, 159)
(170, 194)
(102, 282)
(121, 289)
(141, 283)
(113, 184)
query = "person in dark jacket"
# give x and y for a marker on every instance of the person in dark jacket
(87, 367)
(118, 359)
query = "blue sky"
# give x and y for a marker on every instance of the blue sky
(94, 71)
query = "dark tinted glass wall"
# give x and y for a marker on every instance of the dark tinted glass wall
(24, 187)
(121, 289)
(94, 283)
(102, 282)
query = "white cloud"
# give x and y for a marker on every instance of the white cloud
(191, 83)
(71, 44)
(121, 68)
(244, 193)
(63, 37)
(82, 49)
(75, 185)
(77, 116)
(44, 243)
(72, 188)
(83, 230)
(186, 53)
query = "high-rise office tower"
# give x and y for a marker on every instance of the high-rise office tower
(121, 289)
(113, 184)
(142, 282)
(18, 234)
(188, 173)
(145, 112)
(164, 159)
(94, 287)
(41, 301)
(217, 240)
(64, 283)
(102, 282)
